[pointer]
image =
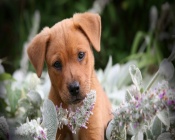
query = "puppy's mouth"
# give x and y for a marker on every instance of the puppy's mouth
(77, 100)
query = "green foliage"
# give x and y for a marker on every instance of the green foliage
(142, 50)
(3, 104)
(50, 119)
(34, 98)
(5, 76)
(156, 128)
(13, 96)
(121, 21)
(16, 98)
(31, 103)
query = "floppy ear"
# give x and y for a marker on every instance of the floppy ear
(37, 49)
(90, 23)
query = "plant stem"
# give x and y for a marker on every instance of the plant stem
(152, 81)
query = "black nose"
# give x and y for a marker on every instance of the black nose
(74, 88)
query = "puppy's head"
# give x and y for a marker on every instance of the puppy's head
(66, 48)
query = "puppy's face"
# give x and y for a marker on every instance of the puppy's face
(70, 62)
(66, 48)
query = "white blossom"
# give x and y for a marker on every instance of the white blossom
(32, 128)
(79, 118)
(155, 101)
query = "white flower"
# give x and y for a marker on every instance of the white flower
(156, 101)
(33, 81)
(32, 128)
(62, 115)
(79, 118)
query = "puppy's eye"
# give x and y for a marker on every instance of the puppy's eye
(57, 65)
(81, 56)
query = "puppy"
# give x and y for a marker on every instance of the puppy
(67, 49)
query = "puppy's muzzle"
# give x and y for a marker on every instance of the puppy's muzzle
(74, 88)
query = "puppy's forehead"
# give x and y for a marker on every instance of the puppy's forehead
(65, 35)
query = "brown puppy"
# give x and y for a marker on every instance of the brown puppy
(66, 48)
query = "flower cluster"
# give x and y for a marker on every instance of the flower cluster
(62, 116)
(32, 128)
(139, 111)
(79, 118)
(74, 120)
(166, 94)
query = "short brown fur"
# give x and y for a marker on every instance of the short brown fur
(62, 43)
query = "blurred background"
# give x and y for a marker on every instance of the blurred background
(142, 30)
(139, 32)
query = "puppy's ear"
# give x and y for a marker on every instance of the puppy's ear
(37, 50)
(90, 23)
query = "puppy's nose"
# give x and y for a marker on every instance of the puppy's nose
(74, 88)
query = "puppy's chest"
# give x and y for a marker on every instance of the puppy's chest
(74, 136)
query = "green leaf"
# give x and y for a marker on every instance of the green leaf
(109, 129)
(138, 136)
(146, 60)
(165, 136)
(5, 76)
(172, 117)
(80, 7)
(13, 97)
(24, 102)
(32, 112)
(136, 76)
(49, 119)
(156, 127)
(128, 96)
(113, 15)
(172, 55)
(159, 55)
(137, 56)
(138, 38)
(149, 135)
(35, 98)
(3, 106)
(164, 118)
